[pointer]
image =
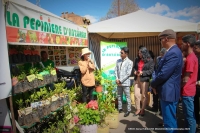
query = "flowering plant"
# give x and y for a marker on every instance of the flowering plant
(88, 114)
(92, 104)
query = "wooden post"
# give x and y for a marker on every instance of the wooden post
(12, 115)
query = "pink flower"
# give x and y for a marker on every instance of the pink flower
(76, 119)
(92, 104)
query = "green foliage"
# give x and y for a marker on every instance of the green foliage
(20, 103)
(88, 116)
(98, 77)
(21, 77)
(33, 70)
(106, 100)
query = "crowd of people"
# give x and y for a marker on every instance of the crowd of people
(174, 77)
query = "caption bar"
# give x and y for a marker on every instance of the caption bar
(158, 128)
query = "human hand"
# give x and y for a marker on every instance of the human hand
(135, 72)
(154, 91)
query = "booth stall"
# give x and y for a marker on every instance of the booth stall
(137, 28)
(26, 31)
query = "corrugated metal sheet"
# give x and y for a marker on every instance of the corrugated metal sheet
(151, 43)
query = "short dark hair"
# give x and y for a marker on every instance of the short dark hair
(197, 43)
(189, 39)
(125, 49)
(141, 46)
(43, 52)
(151, 54)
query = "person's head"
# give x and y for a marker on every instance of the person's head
(151, 54)
(163, 51)
(44, 55)
(167, 38)
(144, 54)
(188, 42)
(140, 47)
(124, 52)
(85, 54)
(197, 47)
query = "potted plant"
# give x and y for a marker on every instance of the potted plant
(98, 80)
(21, 119)
(112, 117)
(52, 72)
(103, 126)
(17, 85)
(32, 77)
(89, 116)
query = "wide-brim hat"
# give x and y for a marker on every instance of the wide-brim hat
(85, 51)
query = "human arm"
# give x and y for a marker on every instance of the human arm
(185, 78)
(150, 70)
(170, 62)
(128, 71)
(116, 75)
(83, 67)
(189, 69)
(91, 64)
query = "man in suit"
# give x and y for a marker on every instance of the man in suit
(123, 71)
(167, 79)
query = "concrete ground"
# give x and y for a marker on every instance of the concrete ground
(136, 124)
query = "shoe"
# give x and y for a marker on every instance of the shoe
(127, 114)
(136, 114)
(120, 110)
(142, 113)
(161, 124)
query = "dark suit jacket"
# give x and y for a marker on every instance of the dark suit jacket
(147, 70)
(167, 79)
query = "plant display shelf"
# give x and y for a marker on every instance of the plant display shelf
(32, 89)
(45, 117)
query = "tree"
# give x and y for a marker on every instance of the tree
(125, 7)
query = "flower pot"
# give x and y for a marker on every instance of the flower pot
(35, 83)
(113, 120)
(103, 129)
(61, 101)
(66, 100)
(54, 105)
(18, 88)
(26, 86)
(132, 98)
(48, 79)
(54, 78)
(46, 110)
(35, 116)
(31, 84)
(99, 88)
(40, 112)
(88, 128)
(21, 120)
(28, 119)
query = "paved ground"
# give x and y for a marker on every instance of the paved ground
(133, 124)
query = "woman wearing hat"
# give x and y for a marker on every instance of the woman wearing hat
(87, 68)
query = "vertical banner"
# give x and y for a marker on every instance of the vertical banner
(110, 53)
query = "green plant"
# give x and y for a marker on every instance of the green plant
(88, 116)
(106, 101)
(21, 77)
(20, 104)
(98, 77)
(33, 70)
